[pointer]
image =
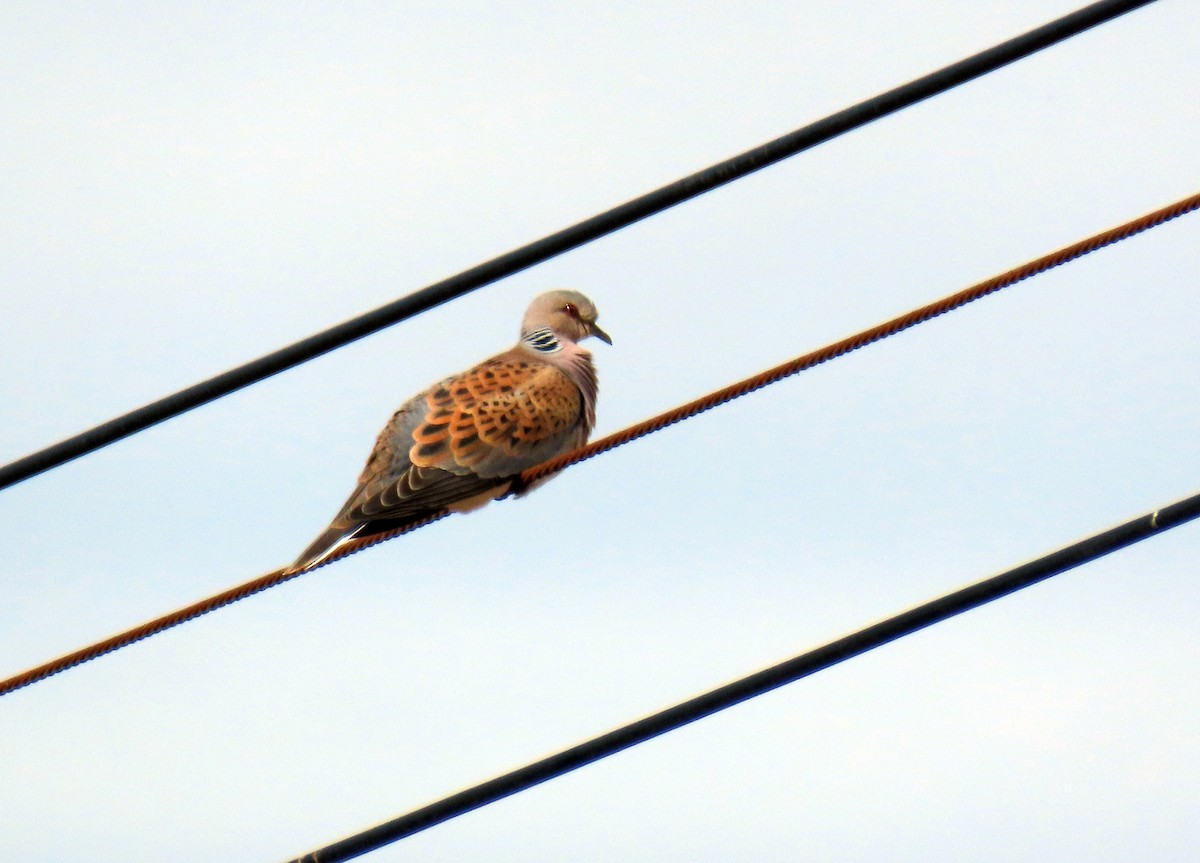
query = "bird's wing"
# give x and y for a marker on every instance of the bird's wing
(461, 442)
(501, 417)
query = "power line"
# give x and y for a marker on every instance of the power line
(562, 241)
(866, 337)
(759, 683)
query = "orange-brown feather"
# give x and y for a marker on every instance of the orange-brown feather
(506, 404)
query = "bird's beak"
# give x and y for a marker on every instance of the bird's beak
(594, 330)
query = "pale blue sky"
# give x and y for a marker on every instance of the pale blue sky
(187, 189)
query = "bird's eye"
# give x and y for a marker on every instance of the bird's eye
(570, 309)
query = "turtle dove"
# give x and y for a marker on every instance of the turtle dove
(463, 442)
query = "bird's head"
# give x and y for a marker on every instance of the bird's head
(569, 314)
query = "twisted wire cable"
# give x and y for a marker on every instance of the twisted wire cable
(837, 349)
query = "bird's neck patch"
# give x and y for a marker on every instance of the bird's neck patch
(542, 340)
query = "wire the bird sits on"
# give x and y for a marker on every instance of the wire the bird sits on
(593, 228)
(540, 472)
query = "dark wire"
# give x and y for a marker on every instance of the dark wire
(759, 683)
(555, 244)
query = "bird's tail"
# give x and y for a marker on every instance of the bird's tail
(323, 547)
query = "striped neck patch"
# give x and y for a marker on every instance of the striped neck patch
(542, 340)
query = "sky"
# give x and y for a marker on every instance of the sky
(187, 188)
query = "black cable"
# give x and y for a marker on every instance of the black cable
(759, 683)
(555, 244)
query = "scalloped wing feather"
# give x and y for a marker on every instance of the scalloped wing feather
(499, 418)
(459, 444)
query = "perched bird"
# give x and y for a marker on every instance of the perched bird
(462, 442)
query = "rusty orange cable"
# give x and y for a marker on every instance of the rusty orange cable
(714, 399)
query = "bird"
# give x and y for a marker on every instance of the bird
(463, 442)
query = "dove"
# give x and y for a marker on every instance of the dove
(463, 442)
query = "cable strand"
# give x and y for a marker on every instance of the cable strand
(691, 409)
